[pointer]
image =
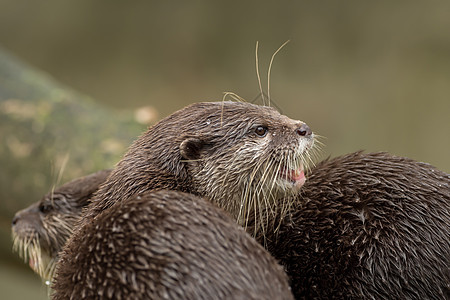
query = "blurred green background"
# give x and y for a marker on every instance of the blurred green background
(366, 75)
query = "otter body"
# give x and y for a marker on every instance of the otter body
(167, 245)
(366, 226)
(41, 230)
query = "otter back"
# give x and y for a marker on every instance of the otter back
(167, 245)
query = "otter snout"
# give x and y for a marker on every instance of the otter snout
(304, 130)
(29, 215)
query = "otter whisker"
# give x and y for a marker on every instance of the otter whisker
(51, 232)
(249, 196)
(264, 178)
(49, 271)
(21, 246)
(246, 197)
(16, 243)
(257, 73)
(253, 190)
(275, 174)
(233, 96)
(25, 247)
(293, 161)
(259, 189)
(62, 223)
(317, 140)
(243, 205)
(307, 160)
(270, 68)
(283, 162)
(267, 195)
(266, 210)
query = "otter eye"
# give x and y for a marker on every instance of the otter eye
(45, 208)
(261, 130)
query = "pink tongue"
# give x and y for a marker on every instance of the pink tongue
(298, 176)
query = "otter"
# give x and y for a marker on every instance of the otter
(365, 226)
(40, 230)
(167, 245)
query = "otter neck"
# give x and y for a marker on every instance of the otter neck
(133, 178)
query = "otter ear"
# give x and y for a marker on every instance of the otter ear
(191, 148)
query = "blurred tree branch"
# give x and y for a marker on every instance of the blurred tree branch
(50, 133)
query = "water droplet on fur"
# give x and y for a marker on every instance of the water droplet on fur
(208, 121)
(47, 282)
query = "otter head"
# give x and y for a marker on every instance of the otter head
(41, 230)
(240, 156)
(245, 157)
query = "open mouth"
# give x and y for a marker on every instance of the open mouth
(294, 176)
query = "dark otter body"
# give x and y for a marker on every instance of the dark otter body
(367, 226)
(41, 230)
(167, 245)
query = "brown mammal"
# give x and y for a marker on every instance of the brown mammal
(366, 226)
(167, 245)
(40, 230)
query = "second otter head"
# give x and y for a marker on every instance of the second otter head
(238, 155)
(40, 231)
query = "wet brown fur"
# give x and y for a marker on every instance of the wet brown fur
(355, 230)
(167, 245)
(367, 226)
(40, 230)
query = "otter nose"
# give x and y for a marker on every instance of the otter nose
(304, 130)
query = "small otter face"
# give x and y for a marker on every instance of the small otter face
(241, 153)
(40, 231)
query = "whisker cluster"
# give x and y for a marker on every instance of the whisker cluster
(263, 194)
(30, 247)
